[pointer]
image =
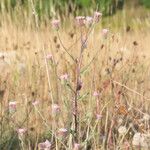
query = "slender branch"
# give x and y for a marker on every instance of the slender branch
(131, 90)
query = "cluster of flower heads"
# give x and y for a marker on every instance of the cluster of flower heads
(88, 21)
(80, 20)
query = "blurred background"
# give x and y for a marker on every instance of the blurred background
(50, 8)
(66, 7)
(135, 13)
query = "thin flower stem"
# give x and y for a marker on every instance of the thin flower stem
(66, 50)
(46, 124)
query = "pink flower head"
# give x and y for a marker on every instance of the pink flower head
(21, 131)
(45, 145)
(98, 116)
(55, 108)
(89, 21)
(64, 76)
(105, 33)
(12, 106)
(126, 144)
(96, 94)
(76, 146)
(97, 16)
(34, 103)
(49, 56)
(56, 24)
(80, 20)
(62, 132)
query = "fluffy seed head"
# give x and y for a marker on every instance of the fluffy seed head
(122, 130)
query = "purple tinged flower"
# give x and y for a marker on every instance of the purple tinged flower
(105, 33)
(55, 108)
(62, 132)
(80, 20)
(77, 146)
(45, 145)
(98, 116)
(89, 21)
(56, 24)
(96, 94)
(12, 106)
(34, 103)
(97, 16)
(21, 131)
(64, 76)
(49, 56)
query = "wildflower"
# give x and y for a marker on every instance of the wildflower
(21, 68)
(12, 106)
(56, 24)
(89, 21)
(62, 132)
(21, 131)
(55, 108)
(45, 145)
(146, 117)
(98, 116)
(105, 33)
(49, 56)
(97, 16)
(76, 146)
(34, 103)
(136, 139)
(120, 120)
(127, 144)
(64, 76)
(96, 94)
(80, 20)
(140, 140)
(122, 130)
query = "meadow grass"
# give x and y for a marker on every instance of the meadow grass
(112, 92)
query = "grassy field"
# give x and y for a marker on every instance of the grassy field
(75, 88)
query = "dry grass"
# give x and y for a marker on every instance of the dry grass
(116, 67)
